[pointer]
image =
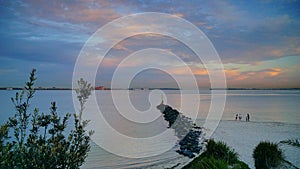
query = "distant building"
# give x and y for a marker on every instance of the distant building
(99, 88)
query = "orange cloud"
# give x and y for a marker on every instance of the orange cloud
(274, 72)
(84, 11)
(179, 14)
(110, 62)
(91, 15)
(277, 52)
(234, 75)
(209, 27)
(200, 72)
(178, 71)
(185, 71)
(121, 46)
(231, 72)
(297, 50)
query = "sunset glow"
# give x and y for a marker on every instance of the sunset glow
(258, 42)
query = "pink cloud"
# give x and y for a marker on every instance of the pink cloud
(261, 78)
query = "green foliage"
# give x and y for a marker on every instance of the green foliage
(208, 163)
(220, 150)
(267, 155)
(217, 156)
(83, 93)
(240, 165)
(292, 142)
(40, 140)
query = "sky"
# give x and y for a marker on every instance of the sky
(258, 41)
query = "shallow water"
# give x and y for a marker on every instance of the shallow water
(263, 105)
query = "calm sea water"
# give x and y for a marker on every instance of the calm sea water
(263, 106)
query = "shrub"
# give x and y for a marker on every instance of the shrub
(267, 155)
(292, 142)
(39, 140)
(208, 163)
(217, 156)
(240, 165)
(220, 150)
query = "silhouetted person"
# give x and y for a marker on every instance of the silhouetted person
(236, 116)
(248, 117)
(240, 117)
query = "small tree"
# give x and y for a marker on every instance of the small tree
(83, 93)
(39, 140)
(267, 155)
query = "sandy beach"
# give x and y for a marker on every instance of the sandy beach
(244, 136)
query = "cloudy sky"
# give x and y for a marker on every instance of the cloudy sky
(257, 41)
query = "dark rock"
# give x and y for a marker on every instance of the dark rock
(185, 130)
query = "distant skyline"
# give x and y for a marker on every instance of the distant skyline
(257, 41)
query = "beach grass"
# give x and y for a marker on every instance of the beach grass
(267, 155)
(217, 155)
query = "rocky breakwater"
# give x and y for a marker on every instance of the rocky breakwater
(190, 135)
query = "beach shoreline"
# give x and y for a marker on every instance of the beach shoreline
(243, 137)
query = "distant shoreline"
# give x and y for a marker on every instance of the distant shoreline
(19, 88)
(59, 88)
(254, 89)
